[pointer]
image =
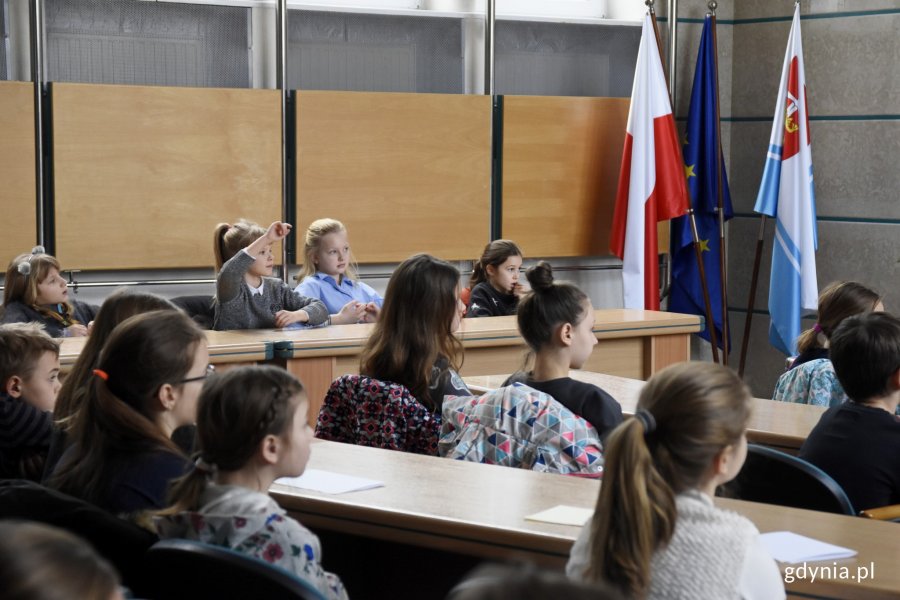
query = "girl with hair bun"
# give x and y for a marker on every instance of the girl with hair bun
(557, 321)
(655, 532)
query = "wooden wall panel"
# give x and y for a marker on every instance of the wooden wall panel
(406, 173)
(143, 174)
(17, 170)
(561, 160)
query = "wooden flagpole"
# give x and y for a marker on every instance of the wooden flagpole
(751, 301)
(720, 193)
(694, 234)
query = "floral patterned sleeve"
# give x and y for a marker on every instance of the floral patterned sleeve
(286, 543)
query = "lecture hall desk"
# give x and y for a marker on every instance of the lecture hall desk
(781, 425)
(479, 510)
(633, 343)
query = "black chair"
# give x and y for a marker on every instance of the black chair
(122, 543)
(773, 477)
(199, 308)
(189, 570)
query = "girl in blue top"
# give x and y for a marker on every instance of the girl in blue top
(328, 275)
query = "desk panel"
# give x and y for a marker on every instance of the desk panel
(481, 509)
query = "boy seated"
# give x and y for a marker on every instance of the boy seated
(858, 442)
(29, 382)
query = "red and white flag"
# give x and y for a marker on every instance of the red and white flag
(651, 182)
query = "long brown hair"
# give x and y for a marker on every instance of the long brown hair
(317, 230)
(413, 329)
(142, 354)
(23, 275)
(495, 254)
(228, 240)
(839, 300)
(237, 410)
(120, 305)
(699, 409)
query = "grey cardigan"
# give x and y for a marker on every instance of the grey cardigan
(237, 307)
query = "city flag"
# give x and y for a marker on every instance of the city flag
(651, 179)
(786, 193)
(701, 160)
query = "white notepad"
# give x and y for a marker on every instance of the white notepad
(788, 547)
(329, 482)
(563, 515)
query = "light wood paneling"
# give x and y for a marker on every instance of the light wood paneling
(143, 174)
(406, 173)
(561, 160)
(17, 169)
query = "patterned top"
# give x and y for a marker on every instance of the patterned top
(813, 382)
(252, 523)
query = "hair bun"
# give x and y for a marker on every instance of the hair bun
(540, 276)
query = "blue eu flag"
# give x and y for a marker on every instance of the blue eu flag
(700, 164)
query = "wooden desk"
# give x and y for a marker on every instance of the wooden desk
(231, 348)
(782, 425)
(480, 510)
(633, 343)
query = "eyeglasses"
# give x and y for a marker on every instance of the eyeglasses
(210, 369)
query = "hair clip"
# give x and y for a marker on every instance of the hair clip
(647, 420)
(24, 268)
(38, 250)
(205, 467)
(101, 374)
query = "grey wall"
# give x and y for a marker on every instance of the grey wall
(852, 58)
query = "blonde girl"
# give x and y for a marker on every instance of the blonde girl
(252, 429)
(656, 532)
(247, 296)
(34, 291)
(328, 274)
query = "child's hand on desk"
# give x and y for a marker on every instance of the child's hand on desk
(372, 312)
(352, 312)
(284, 318)
(77, 330)
(519, 290)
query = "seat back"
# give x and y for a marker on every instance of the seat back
(190, 570)
(120, 542)
(368, 412)
(521, 427)
(773, 477)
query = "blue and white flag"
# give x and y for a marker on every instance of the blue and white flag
(786, 193)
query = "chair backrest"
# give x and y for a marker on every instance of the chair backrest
(190, 570)
(368, 412)
(774, 477)
(519, 426)
(122, 543)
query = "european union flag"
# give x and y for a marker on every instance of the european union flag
(700, 163)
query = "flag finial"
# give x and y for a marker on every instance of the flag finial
(712, 5)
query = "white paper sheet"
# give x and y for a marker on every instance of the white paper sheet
(788, 547)
(563, 515)
(329, 482)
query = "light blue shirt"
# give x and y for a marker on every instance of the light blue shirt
(325, 288)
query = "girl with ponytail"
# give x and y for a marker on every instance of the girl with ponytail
(252, 429)
(557, 321)
(145, 386)
(656, 532)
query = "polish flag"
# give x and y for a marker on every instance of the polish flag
(651, 181)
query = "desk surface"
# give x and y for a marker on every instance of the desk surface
(224, 347)
(781, 424)
(480, 510)
(489, 331)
